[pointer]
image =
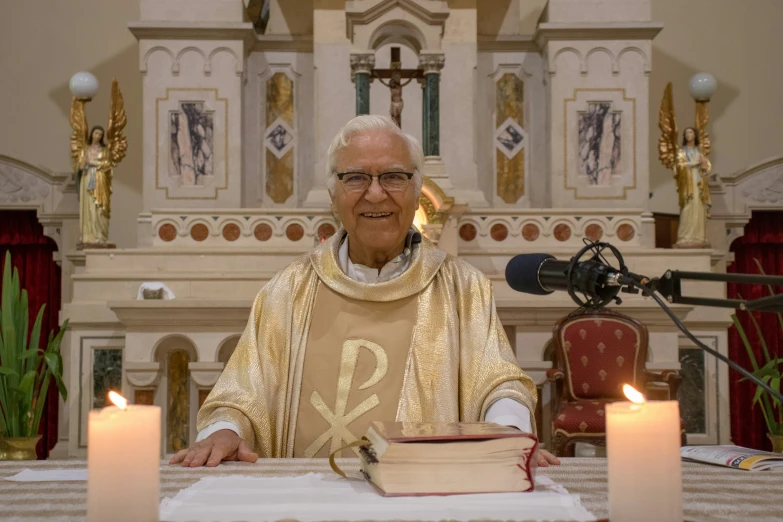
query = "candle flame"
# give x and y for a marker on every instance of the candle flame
(633, 395)
(118, 400)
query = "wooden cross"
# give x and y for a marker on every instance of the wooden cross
(395, 74)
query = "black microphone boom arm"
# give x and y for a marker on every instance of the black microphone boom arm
(670, 287)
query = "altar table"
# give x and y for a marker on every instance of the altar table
(709, 492)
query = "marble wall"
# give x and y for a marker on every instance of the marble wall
(178, 401)
(280, 136)
(192, 144)
(510, 138)
(106, 375)
(511, 129)
(691, 395)
(600, 143)
(598, 102)
(192, 114)
(278, 128)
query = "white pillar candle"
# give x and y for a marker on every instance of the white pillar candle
(123, 463)
(643, 452)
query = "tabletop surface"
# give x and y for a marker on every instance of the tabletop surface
(709, 492)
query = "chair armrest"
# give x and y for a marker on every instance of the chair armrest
(666, 376)
(670, 377)
(554, 374)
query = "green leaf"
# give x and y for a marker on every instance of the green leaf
(745, 341)
(771, 368)
(8, 371)
(26, 384)
(54, 362)
(29, 354)
(757, 396)
(35, 335)
(774, 383)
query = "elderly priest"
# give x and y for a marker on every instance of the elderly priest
(376, 323)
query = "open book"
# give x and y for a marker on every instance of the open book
(733, 457)
(408, 458)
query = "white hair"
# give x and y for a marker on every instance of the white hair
(369, 122)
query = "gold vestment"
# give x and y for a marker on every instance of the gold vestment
(458, 363)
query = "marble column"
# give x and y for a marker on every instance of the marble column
(431, 65)
(361, 74)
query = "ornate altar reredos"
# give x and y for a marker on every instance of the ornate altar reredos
(533, 144)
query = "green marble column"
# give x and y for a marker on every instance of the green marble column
(431, 64)
(424, 117)
(362, 81)
(431, 109)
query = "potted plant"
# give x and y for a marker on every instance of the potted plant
(770, 373)
(25, 369)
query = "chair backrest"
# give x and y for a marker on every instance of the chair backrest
(599, 351)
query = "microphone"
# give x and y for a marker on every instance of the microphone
(542, 274)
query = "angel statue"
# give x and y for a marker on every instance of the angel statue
(94, 155)
(691, 170)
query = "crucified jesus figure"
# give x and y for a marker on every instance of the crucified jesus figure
(395, 85)
(395, 75)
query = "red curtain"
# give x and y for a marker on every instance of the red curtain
(763, 240)
(32, 253)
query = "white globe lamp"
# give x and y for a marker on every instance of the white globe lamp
(83, 85)
(703, 86)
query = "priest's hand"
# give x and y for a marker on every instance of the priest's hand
(545, 459)
(221, 445)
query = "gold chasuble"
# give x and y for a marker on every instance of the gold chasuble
(323, 355)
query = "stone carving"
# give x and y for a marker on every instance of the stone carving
(599, 143)
(766, 188)
(431, 62)
(18, 186)
(192, 144)
(362, 63)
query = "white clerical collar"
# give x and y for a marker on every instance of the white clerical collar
(389, 271)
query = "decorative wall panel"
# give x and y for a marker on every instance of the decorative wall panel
(191, 137)
(192, 144)
(178, 401)
(279, 137)
(599, 144)
(510, 138)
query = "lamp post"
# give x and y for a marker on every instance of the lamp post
(83, 86)
(702, 86)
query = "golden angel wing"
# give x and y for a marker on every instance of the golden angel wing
(667, 143)
(80, 131)
(702, 118)
(115, 139)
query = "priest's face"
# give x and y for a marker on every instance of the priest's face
(376, 219)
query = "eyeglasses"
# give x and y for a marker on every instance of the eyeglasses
(390, 181)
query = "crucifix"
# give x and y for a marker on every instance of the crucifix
(395, 74)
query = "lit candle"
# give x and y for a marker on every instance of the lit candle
(643, 452)
(123, 463)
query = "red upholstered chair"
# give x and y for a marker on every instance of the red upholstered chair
(595, 353)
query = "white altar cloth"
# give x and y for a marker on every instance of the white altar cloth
(318, 496)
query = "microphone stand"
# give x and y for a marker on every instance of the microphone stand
(669, 286)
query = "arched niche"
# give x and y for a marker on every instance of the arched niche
(736, 196)
(398, 32)
(416, 23)
(226, 349)
(176, 393)
(53, 197)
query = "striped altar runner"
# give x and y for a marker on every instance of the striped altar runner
(709, 492)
